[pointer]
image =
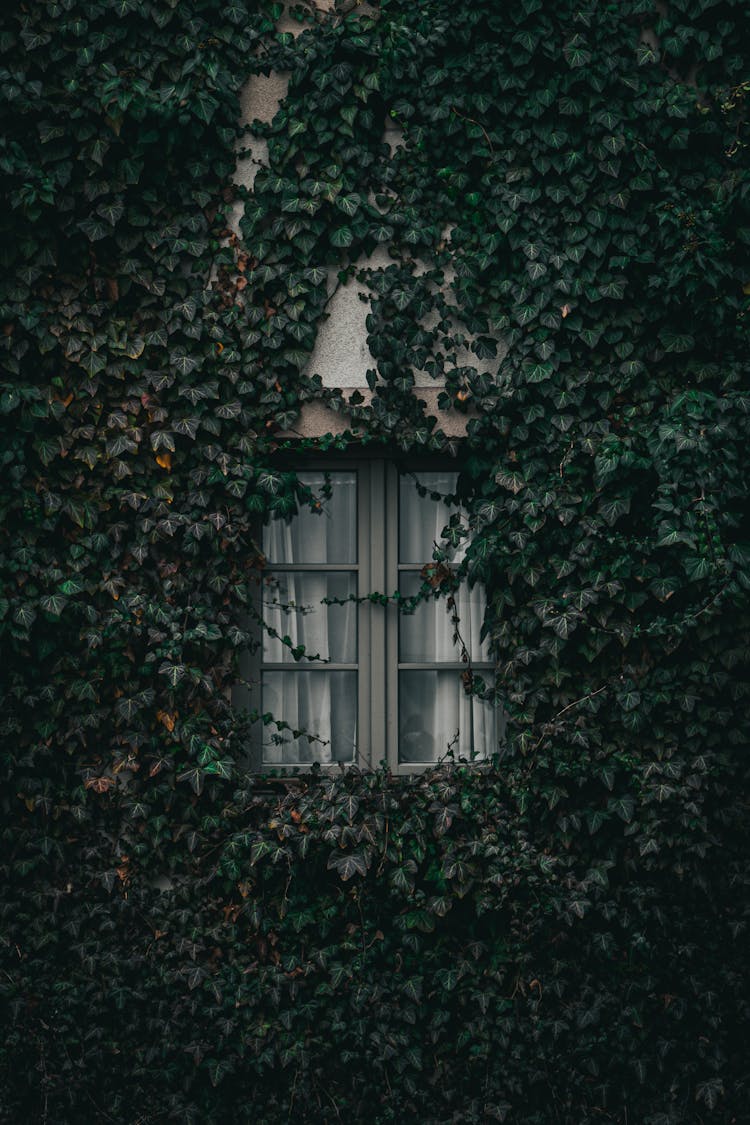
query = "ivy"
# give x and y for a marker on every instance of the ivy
(548, 208)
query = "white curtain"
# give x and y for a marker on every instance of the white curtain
(322, 703)
(436, 715)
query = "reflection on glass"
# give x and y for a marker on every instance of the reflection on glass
(437, 717)
(292, 606)
(324, 706)
(426, 635)
(325, 536)
(421, 519)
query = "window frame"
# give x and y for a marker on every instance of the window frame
(377, 569)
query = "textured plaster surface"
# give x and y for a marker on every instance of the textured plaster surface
(340, 356)
(261, 96)
(316, 419)
(260, 99)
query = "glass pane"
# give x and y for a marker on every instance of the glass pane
(426, 635)
(436, 717)
(323, 704)
(327, 536)
(292, 605)
(421, 519)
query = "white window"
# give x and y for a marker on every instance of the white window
(358, 680)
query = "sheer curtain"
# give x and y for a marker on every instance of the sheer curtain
(307, 695)
(436, 715)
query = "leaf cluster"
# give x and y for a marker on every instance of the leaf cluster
(547, 208)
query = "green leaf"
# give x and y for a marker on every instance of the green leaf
(624, 807)
(53, 603)
(524, 314)
(204, 106)
(355, 863)
(24, 615)
(697, 568)
(676, 342)
(381, 232)
(195, 778)
(112, 212)
(72, 586)
(173, 672)
(342, 237)
(349, 204)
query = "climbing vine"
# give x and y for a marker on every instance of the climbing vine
(547, 210)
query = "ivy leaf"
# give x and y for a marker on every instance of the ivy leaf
(342, 237)
(195, 778)
(53, 603)
(349, 204)
(697, 568)
(381, 232)
(489, 511)
(316, 275)
(538, 372)
(204, 106)
(221, 767)
(354, 863)
(611, 510)
(128, 708)
(72, 586)
(93, 363)
(187, 308)
(524, 314)
(112, 212)
(624, 807)
(173, 672)
(48, 449)
(349, 807)
(676, 342)
(443, 819)
(183, 362)
(24, 615)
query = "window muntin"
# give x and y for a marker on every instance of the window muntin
(364, 681)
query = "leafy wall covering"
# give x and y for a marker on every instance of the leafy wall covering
(558, 936)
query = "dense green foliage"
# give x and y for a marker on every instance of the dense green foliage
(557, 936)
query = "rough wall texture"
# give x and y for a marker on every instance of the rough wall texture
(341, 355)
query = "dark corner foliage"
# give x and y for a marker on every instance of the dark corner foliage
(559, 936)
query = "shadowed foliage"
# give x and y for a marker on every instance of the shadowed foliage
(555, 936)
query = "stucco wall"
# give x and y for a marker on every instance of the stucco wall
(341, 356)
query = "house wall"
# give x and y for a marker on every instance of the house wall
(341, 355)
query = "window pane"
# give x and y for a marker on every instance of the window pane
(292, 605)
(327, 536)
(426, 635)
(436, 717)
(422, 519)
(323, 704)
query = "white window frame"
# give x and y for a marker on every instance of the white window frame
(378, 666)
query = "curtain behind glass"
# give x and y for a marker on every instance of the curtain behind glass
(436, 715)
(322, 703)
(325, 536)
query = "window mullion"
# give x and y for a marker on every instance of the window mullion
(373, 578)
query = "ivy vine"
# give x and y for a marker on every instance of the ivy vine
(548, 209)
